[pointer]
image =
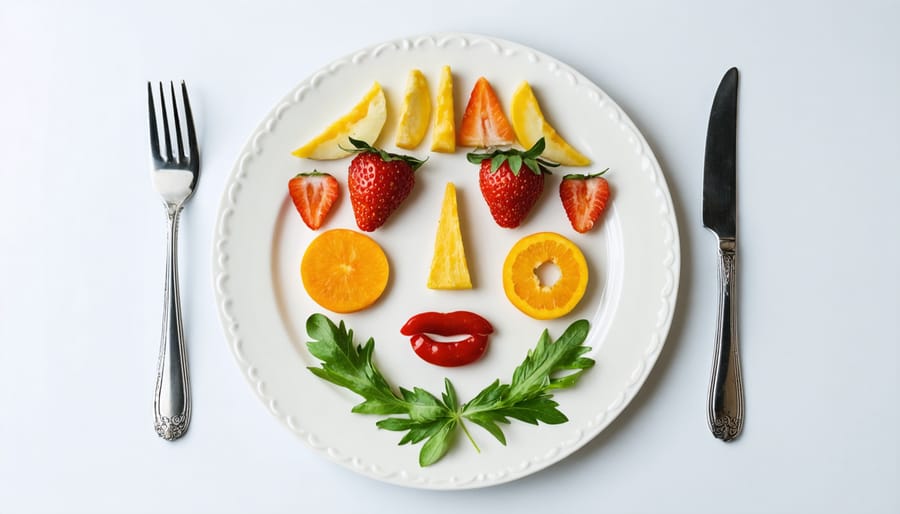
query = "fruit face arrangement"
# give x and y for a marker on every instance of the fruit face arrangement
(345, 271)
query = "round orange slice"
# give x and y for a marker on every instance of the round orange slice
(344, 271)
(523, 269)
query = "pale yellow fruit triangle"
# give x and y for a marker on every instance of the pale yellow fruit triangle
(449, 269)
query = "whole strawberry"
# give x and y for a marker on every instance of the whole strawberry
(378, 183)
(511, 182)
(584, 198)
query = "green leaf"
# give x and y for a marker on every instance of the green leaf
(515, 163)
(488, 421)
(437, 445)
(497, 161)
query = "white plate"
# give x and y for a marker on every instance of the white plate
(633, 260)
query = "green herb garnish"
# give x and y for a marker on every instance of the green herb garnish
(425, 417)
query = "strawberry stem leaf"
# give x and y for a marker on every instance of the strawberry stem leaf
(578, 176)
(363, 147)
(515, 158)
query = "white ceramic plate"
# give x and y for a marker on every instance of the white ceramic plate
(633, 260)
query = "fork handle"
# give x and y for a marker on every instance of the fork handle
(172, 399)
(726, 389)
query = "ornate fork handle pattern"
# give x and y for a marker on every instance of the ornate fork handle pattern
(172, 399)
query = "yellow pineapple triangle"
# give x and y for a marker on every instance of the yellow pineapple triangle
(449, 269)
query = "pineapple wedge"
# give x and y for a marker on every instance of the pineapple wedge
(449, 269)
(444, 134)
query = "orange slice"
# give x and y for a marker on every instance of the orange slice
(449, 269)
(416, 113)
(524, 264)
(364, 122)
(344, 271)
(529, 124)
(444, 134)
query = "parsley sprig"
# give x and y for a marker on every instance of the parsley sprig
(549, 366)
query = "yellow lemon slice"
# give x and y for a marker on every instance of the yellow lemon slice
(416, 112)
(529, 124)
(363, 122)
(449, 269)
(522, 275)
(444, 134)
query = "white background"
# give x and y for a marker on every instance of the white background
(82, 252)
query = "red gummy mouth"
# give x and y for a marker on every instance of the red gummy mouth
(471, 347)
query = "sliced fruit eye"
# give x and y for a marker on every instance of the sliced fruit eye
(529, 283)
(344, 271)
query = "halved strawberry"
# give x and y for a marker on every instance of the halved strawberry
(584, 197)
(313, 195)
(483, 123)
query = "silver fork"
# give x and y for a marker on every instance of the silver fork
(174, 178)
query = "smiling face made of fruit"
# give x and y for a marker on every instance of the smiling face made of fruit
(345, 271)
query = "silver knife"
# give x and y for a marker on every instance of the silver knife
(725, 410)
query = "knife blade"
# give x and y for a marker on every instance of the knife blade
(725, 405)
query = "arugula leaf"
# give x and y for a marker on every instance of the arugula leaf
(550, 365)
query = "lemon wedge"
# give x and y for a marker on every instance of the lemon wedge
(449, 269)
(529, 124)
(364, 122)
(416, 112)
(444, 135)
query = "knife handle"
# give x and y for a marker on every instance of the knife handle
(725, 410)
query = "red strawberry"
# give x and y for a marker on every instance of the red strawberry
(378, 183)
(483, 123)
(584, 197)
(313, 195)
(511, 182)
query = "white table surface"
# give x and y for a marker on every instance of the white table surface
(82, 252)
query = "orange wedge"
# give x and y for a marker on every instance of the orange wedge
(444, 134)
(344, 271)
(522, 282)
(449, 269)
(416, 112)
(529, 124)
(364, 122)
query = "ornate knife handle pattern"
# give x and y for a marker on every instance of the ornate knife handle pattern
(726, 389)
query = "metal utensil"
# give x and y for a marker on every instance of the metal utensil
(174, 175)
(725, 409)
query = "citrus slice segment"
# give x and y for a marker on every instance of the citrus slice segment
(530, 125)
(449, 269)
(416, 112)
(443, 137)
(364, 122)
(524, 286)
(344, 271)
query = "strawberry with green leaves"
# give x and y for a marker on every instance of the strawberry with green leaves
(511, 182)
(584, 198)
(313, 195)
(378, 182)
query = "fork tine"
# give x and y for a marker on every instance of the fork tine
(191, 133)
(162, 99)
(154, 128)
(181, 157)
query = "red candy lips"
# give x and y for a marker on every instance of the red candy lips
(471, 347)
